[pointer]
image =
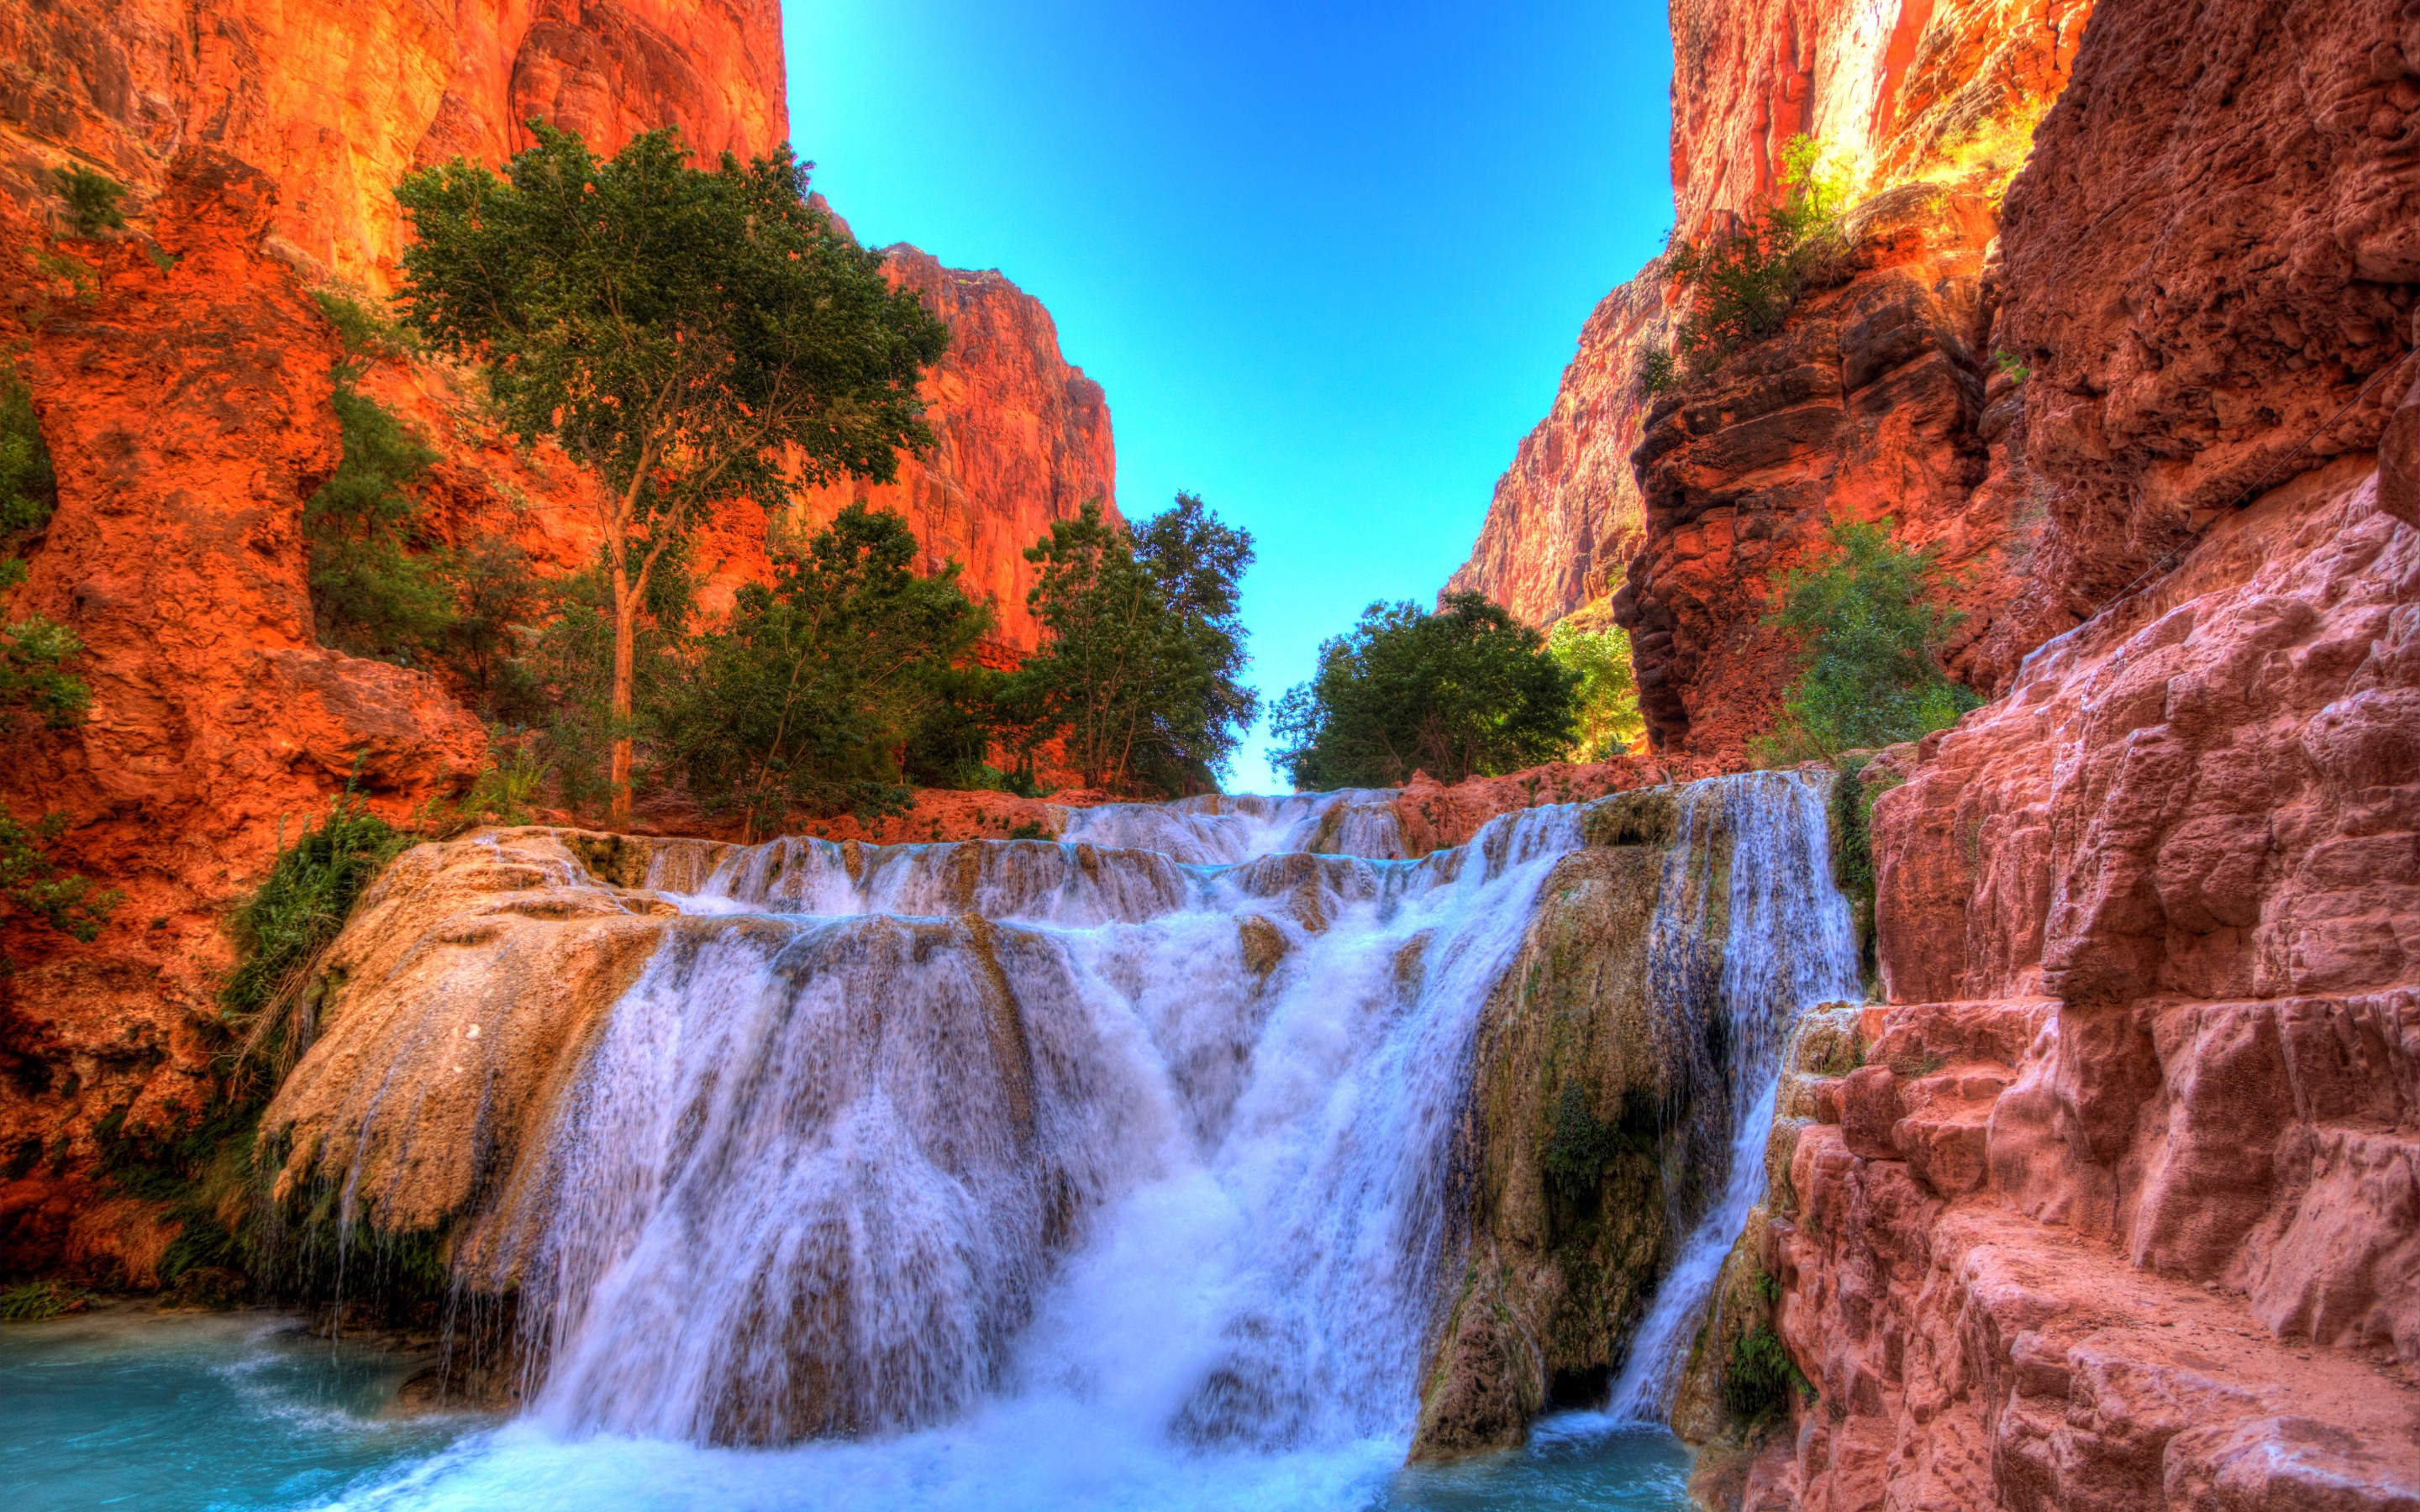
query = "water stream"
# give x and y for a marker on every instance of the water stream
(1102, 1173)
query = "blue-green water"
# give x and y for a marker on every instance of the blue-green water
(137, 1410)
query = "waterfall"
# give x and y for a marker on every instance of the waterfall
(1787, 943)
(1156, 1114)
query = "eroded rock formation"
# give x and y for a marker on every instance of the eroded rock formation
(1911, 91)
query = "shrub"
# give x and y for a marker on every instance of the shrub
(1741, 280)
(92, 200)
(1760, 1376)
(1871, 626)
(29, 490)
(821, 681)
(1465, 691)
(1587, 643)
(379, 583)
(283, 931)
(1659, 371)
(31, 1302)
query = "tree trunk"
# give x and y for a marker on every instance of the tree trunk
(626, 609)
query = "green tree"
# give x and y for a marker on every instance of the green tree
(814, 692)
(1870, 628)
(379, 582)
(1589, 645)
(1138, 675)
(693, 335)
(92, 200)
(1467, 691)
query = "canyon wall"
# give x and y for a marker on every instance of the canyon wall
(181, 372)
(1911, 92)
(2112, 1204)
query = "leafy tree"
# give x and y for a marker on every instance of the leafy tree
(1140, 673)
(693, 335)
(1587, 643)
(1465, 691)
(814, 692)
(1871, 624)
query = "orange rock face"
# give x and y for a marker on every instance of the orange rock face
(1023, 440)
(1567, 514)
(1866, 405)
(337, 102)
(1899, 92)
(187, 412)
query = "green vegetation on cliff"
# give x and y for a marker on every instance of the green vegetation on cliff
(694, 335)
(1467, 691)
(1871, 626)
(1587, 642)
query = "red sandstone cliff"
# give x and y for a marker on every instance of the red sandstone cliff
(1022, 439)
(2119, 1208)
(186, 406)
(1915, 90)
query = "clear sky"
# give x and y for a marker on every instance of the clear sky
(1328, 258)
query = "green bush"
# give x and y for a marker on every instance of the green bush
(92, 200)
(29, 490)
(1589, 645)
(821, 682)
(1465, 691)
(31, 1302)
(1739, 283)
(1869, 624)
(285, 928)
(379, 585)
(1580, 1146)
(1760, 1376)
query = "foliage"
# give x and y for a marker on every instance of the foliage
(377, 583)
(1989, 157)
(1465, 691)
(693, 335)
(1139, 675)
(285, 928)
(1580, 1146)
(31, 1302)
(1869, 625)
(1659, 371)
(29, 490)
(92, 200)
(367, 333)
(2011, 367)
(1740, 281)
(1760, 1376)
(1587, 643)
(812, 693)
(32, 883)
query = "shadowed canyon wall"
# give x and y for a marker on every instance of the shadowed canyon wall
(183, 393)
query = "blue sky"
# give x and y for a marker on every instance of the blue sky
(1327, 259)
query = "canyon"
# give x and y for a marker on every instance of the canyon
(2035, 1106)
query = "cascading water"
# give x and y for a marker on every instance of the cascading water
(827, 1154)
(1102, 1172)
(1787, 943)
